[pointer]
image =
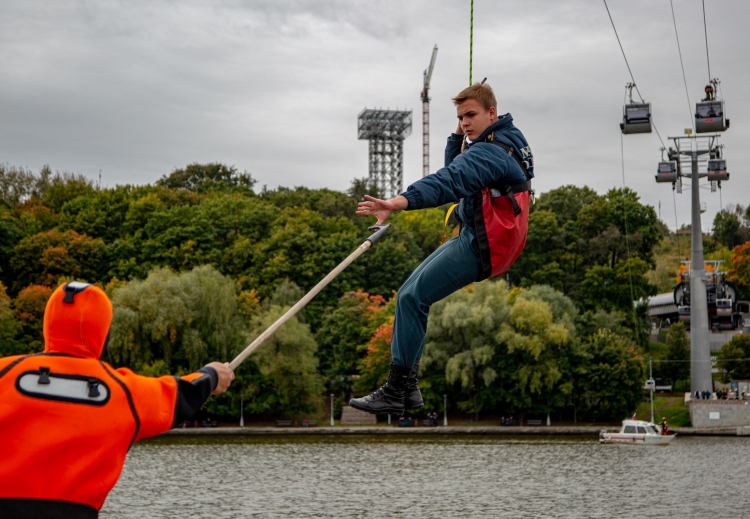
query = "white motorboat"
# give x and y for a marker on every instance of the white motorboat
(637, 432)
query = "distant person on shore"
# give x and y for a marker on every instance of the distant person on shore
(488, 171)
(664, 425)
(68, 419)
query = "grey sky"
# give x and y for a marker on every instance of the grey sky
(274, 87)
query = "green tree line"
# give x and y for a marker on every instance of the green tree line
(200, 262)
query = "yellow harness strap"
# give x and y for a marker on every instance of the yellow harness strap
(445, 225)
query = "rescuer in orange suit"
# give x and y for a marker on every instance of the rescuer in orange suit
(67, 419)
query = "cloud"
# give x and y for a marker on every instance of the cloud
(274, 87)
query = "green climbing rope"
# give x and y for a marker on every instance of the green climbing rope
(471, 41)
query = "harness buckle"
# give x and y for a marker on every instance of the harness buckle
(93, 388)
(43, 376)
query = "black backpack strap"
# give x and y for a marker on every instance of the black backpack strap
(510, 189)
(512, 153)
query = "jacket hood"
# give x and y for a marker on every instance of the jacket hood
(499, 125)
(77, 320)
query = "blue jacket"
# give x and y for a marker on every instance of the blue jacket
(482, 164)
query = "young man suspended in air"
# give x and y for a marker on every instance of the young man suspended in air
(488, 169)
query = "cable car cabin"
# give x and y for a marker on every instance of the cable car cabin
(709, 117)
(667, 172)
(717, 170)
(636, 118)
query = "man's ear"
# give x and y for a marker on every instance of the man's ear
(493, 112)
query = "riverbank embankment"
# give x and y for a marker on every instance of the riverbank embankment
(551, 430)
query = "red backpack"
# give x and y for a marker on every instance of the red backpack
(501, 219)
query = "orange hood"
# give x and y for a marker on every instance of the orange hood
(77, 320)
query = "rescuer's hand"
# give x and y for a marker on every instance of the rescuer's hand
(226, 375)
(381, 209)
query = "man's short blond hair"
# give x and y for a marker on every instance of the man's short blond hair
(482, 92)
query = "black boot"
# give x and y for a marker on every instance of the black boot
(389, 398)
(412, 396)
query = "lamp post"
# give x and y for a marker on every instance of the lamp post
(653, 386)
(445, 410)
(332, 423)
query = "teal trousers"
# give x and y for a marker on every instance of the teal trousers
(451, 267)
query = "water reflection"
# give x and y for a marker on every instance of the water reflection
(431, 477)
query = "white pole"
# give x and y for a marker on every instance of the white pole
(651, 377)
(242, 416)
(306, 299)
(332, 422)
(445, 410)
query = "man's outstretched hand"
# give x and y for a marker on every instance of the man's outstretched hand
(226, 376)
(381, 209)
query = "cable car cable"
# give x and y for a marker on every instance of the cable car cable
(627, 236)
(622, 50)
(628, 65)
(705, 31)
(684, 80)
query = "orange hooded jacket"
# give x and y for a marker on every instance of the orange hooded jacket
(67, 419)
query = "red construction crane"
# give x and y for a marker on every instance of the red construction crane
(426, 115)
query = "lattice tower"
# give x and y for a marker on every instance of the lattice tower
(385, 130)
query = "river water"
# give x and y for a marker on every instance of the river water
(442, 477)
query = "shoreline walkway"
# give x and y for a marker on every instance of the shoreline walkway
(478, 430)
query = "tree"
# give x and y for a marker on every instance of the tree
(426, 228)
(99, 215)
(603, 225)
(343, 337)
(616, 321)
(10, 234)
(739, 274)
(616, 288)
(610, 385)
(678, 349)
(46, 257)
(725, 228)
(545, 244)
(58, 189)
(329, 203)
(9, 327)
(213, 176)
(566, 202)
(540, 344)
(16, 185)
(461, 346)
(364, 186)
(34, 217)
(288, 383)
(29, 308)
(184, 320)
(732, 359)
(375, 366)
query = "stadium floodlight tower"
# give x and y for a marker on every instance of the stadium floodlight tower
(689, 153)
(386, 131)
